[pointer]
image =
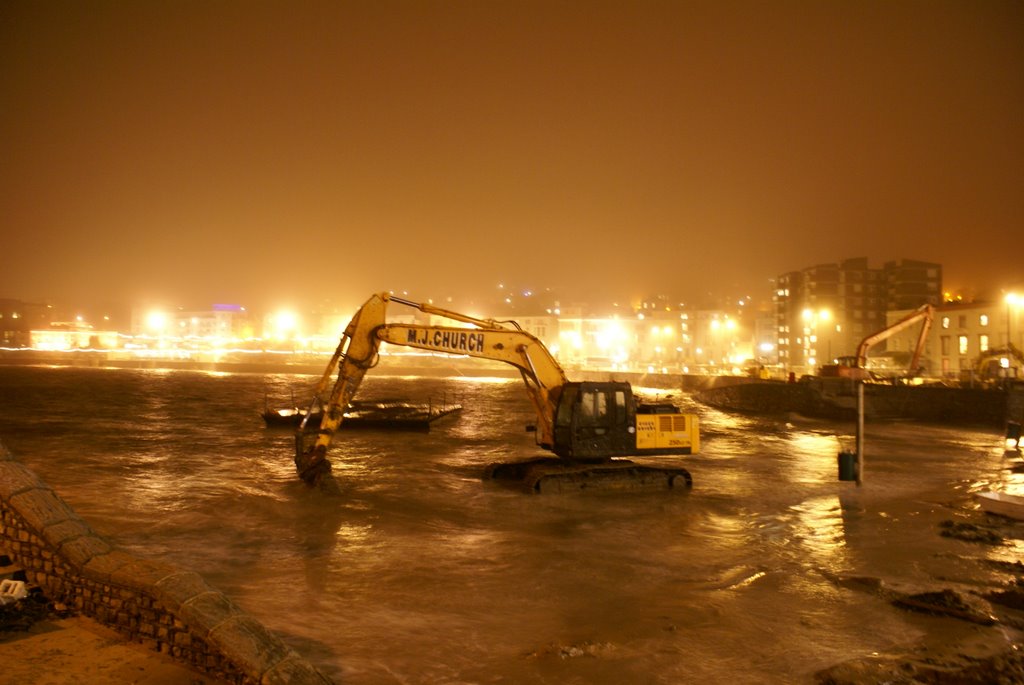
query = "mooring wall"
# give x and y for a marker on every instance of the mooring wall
(168, 609)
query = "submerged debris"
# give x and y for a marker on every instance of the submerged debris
(1005, 566)
(23, 614)
(970, 532)
(583, 649)
(947, 603)
(1012, 598)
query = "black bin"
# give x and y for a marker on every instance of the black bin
(847, 466)
(1013, 431)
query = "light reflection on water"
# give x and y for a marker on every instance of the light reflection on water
(423, 573)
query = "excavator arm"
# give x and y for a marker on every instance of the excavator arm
(357, 352)
(355, 355)
(924, 314)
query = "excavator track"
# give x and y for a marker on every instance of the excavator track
(547, 475)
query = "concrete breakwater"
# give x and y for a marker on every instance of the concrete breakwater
(168, 609)
(836, 398)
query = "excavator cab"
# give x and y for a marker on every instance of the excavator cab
(600, 420)
(595, 421)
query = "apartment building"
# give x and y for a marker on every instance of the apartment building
(822, 312)
(18, 319)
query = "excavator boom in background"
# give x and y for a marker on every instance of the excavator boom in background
(856, 367)
(588, 425)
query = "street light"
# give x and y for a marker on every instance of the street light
(1012, 300)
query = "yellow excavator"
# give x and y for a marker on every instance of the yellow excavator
(998, 364)
(588, 425)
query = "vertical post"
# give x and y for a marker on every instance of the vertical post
(1009, 336)
(860, 433)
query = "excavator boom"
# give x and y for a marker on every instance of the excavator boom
(542, 375)
(357, 352)
(924, 313)
(856, 367)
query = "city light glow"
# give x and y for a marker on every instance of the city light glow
(702, 341)
(157, 321)
(285, 324)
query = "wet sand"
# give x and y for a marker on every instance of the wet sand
(77, 650)
(976, 631)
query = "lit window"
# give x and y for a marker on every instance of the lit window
(963, 344)
(983, 342)
(945, 322)
(984, 322)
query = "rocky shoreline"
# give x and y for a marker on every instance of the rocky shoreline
(986, 619)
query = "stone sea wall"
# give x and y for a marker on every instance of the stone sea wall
(836, 398)
(165, 608)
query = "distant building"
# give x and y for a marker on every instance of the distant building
(719, 343)
(544, 328)
(222, 322)
(596, 342)
(766, 348)
(17, 319)
(824, 311)
(962, 335)
(910, 284)
(73, 335)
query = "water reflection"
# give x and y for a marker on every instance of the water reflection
(822, 532)
(812, 457)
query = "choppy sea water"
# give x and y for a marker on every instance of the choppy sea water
(423, 573)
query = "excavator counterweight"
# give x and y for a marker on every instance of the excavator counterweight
(588, 425)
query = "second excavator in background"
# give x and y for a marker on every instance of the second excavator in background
(855, 367)
(590, 426)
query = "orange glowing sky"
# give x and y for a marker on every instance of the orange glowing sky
(258, 151)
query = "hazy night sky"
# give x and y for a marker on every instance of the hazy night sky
(264, 152)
